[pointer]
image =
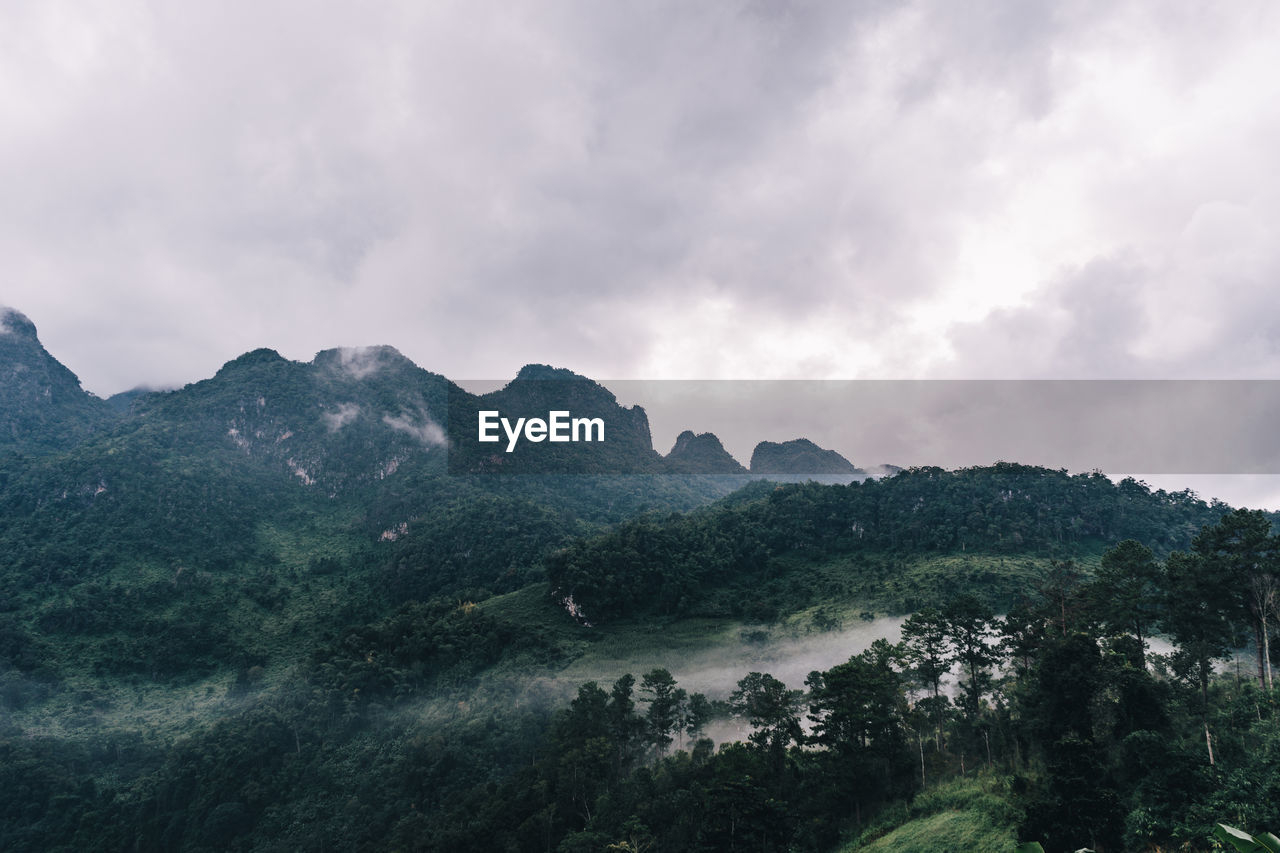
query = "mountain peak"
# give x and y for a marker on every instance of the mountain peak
(359, 362)
(41, 402)
(544, 382)
(701, 454)
(14, 322)
(799, 456)
(262, 355)
(537, 391)
(546, 371)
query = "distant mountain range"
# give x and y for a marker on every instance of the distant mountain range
(355, 414)
(298, 605)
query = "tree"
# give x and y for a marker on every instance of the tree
(968, 623)
(1063, 594)
(582, 750)
(926, 648)
(695, 714)
(859, 711)
(1022, 635)
(585, 717)
(1197, 617)
(624, 727)
(1076, 803)
(664, 700)
(1124, 592)
(1242, 554)
(771, 709)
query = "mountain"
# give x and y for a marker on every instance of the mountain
(749, 554)
(701, 454)
(623, 444)
(349, 418)
(355, 415)
(300, 606)
(274, 468)
(801, 458)
(123, 402)
(42, 406)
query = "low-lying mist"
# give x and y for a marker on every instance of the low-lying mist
(715, 661)
(716, 671)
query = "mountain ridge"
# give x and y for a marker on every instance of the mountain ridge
(374, 389)
(801, 456)
(260, 613)
(42, 405)
(702, 452)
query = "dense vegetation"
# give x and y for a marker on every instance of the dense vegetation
(1056, 701)
(263, 613)
(1082, 737)
(746, 555)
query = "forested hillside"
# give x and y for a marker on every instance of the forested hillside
(266, 612)
(772, 545)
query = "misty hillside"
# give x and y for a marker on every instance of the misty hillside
(296, 606)
(231, 498)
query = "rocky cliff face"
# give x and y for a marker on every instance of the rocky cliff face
(701, 454)
(537, 391)
(800, 457)
(42, 405)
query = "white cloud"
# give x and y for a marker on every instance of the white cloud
(7, 317)
(639, 189)
(361, 362)
(422, 427)
(346, 413)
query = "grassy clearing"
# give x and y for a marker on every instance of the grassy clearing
(605, 652)
(706, 654)
(946, 831)
(970, 815)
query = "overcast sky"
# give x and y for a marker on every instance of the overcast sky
(695, 190)
(646, 190)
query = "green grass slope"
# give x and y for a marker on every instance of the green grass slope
(963, 816)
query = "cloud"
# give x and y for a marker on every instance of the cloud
(13, 321)
(360, 362)
(1199, 306)
(423, 428)
(1086, 324)
(640, 190)
(346, 413)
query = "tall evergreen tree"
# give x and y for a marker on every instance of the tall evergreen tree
(1124, 592)
(968, 623)
(771, 709)
(1242, 554)
(926, 647)
(663, 714)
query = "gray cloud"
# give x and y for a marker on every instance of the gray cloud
(8, 317)
(422, 427)
(345, 414)
(1205, 309)
(671, 189)
(360, 362)
(1085, 325)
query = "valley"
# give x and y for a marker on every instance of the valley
(289, 607)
